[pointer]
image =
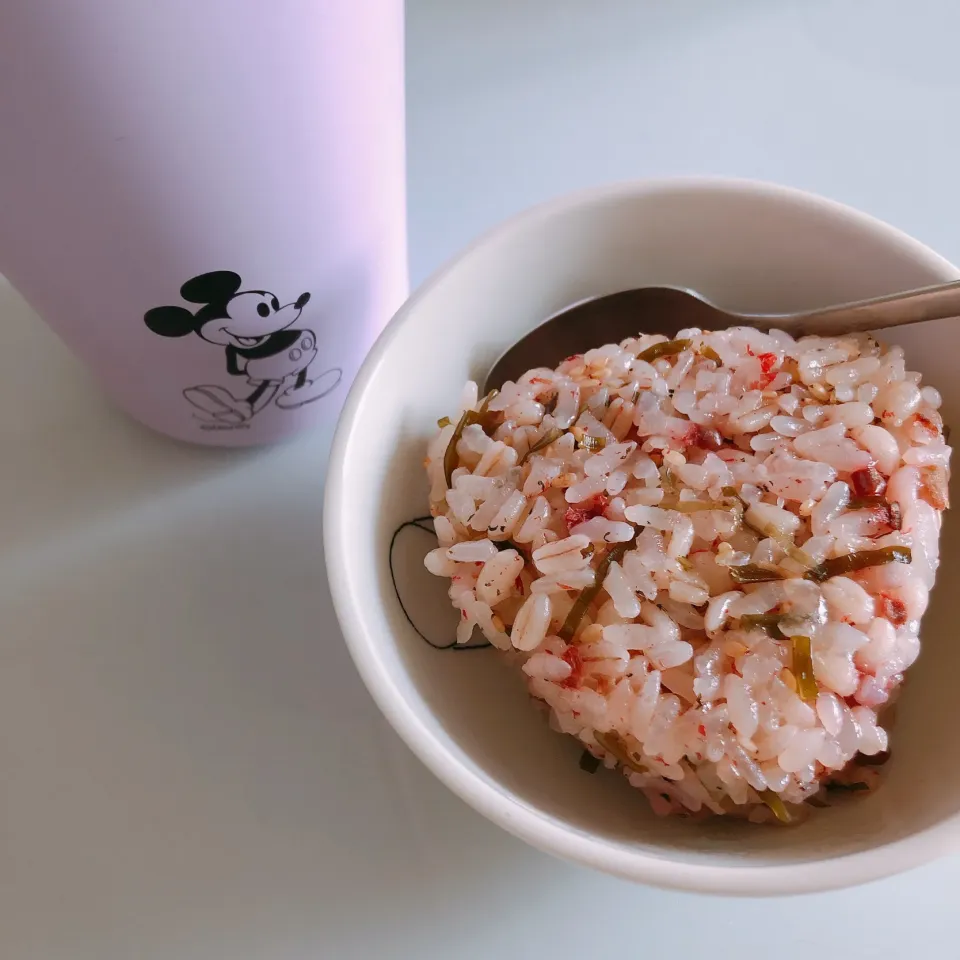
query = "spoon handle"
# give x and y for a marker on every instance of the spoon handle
(898, 309)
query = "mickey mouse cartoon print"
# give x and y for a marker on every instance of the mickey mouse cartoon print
(262, 342)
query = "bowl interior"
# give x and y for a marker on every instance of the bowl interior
(466, 713)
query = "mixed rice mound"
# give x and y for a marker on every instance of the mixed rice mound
(710, 555)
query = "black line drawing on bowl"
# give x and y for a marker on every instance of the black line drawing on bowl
(426, 525)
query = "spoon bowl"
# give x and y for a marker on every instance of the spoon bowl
(668, 310)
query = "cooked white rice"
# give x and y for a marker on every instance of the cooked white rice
(677, 480)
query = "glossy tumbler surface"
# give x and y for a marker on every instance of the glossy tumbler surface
(206, 199)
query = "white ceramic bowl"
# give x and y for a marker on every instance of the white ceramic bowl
(747, 246)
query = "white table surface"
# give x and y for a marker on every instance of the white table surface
(190, 768)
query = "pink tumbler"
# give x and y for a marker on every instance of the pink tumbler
(206, 199)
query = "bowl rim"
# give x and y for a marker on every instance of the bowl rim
(509, 811)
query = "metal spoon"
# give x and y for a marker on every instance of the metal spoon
(667, 310)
